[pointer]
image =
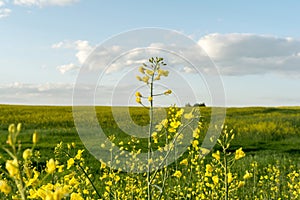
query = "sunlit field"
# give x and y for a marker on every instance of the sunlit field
(267, 166)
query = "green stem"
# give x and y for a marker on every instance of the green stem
(168, 152)
(226, 175)
(149, 138)
(87, 176)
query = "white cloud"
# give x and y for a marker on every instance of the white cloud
(2, 3)
(82, 46)
(66, 68)
(83, 49)
(58, 45)
(188, 70)
(4, 12)
(43, 3)
(244, 54)
(46, 93)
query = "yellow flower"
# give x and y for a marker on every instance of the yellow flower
(34, 138)
(247, 175)
(163, 72)
(145, 79)
(70, 163)
(164, 123)
(154, 136)
(103, 165)
(175, 124)
(60, 193)
(195, 143)
(241, 184)
(239, 154)
(138, 100)
(172, 130)
(150, 72)
(150, 161)
(177, 174)
(60, 168)
(179, 112)
(188, 115)
(196, 133)
(34, 179)
(150, 99)
(76, 196)
(216, 155)
(27, 154)
(12, 167)
(184, 162)
(138, 94)
(208, 168)
(117, 178)
(142, 69)
(51, 166)
(229, 177)
(168, 92)
(139, 78)
(79, 154)
(157, 78)
(215, 179)
(4, 187)
(73, 182)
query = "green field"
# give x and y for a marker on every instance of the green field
(258, 129)
(268, 135)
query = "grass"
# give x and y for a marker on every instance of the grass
(259, 130)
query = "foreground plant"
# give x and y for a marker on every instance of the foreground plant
(21, 178)
(170, 130)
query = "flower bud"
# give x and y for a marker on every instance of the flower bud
(11, 128)
(34, 138)
(138, 94)
(27, 154)
(168, 92)
(51, 166)
(19, 126)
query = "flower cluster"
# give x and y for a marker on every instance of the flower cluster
(55, 181)
(151, 72)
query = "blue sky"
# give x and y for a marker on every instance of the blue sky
(255, 44)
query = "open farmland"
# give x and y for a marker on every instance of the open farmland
(268, 136)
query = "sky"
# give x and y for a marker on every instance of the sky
(254, 45)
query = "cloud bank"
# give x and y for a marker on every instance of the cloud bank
(4, 12)
(45, 94)
(245, 54)
(83, 49)
(235, 54)
(43, 3)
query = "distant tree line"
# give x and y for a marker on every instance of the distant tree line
(195, 105)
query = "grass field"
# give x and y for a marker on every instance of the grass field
(268, 135)
(258, 129)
